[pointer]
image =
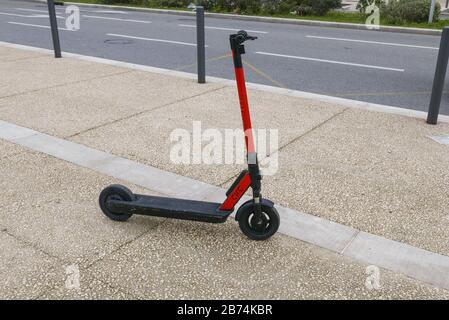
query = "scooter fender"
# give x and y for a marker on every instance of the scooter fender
(250, 203)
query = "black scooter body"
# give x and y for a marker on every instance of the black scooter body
(170, 208)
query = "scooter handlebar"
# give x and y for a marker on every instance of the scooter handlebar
(243, 36)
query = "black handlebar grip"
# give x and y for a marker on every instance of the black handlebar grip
(243, 35)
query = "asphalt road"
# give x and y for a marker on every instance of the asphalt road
(387, 68)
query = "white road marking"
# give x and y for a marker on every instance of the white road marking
(14, 15)
(28, 16)
(374, 42)
(35, 25)
(110, 11)
(330, 61)
(31, 10)
(220, 28)
(151, 39)
(99, 11)
(118, 19)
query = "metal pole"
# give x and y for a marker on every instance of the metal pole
(54, 28)
(440, 76)
(432, 10)
(201, 47)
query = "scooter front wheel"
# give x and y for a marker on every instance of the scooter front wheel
(258, 228)
(115, 192)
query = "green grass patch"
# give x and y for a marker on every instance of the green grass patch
(333, 16)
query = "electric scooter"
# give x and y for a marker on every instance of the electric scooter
(257, 218)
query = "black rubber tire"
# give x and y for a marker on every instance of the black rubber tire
(117, 192)
(246, 214)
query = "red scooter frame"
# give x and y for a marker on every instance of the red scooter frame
(244, 182)
(258, 219)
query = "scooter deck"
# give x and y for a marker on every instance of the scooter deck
(171, 208)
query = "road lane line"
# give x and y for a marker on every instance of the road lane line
(14, 15)
(99, 11)
(221, 28)
(374, 42)
(151, 39)
(28, 16)
(31, 10)
(109, 11)
(330, 61)
(117, 19)
(35, 25)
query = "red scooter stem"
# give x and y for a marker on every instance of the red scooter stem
(244, 108)
(248, 178)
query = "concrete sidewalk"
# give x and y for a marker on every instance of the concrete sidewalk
(375, 172)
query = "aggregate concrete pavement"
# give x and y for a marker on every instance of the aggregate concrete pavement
(84, 105)
(375, 172)
(217, 109)
(42, 237)
(329, 155)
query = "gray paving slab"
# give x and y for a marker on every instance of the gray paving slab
(8, 149)
(25, 273)
(374, 172)
(39, 73)
(181, 260)
(54, 205)
(9, 54)
(146, 138)
(89, 288)
(70, 109)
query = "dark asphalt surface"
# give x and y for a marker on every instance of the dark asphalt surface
(398, 71)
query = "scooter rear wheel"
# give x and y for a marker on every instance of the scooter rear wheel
(115, 192)
(258, 229)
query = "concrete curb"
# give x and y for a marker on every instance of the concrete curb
(316, 23)
(414, 262)
(288, 92)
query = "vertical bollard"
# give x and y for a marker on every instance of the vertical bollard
(201, 49)
(54, 28)
(440, 75)
(432, 11)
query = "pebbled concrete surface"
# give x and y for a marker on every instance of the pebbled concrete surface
(378, 173)
(25, 75)
(330, 156)
(203, 265)
(55, 205)
(147, 136)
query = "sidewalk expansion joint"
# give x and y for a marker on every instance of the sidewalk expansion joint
(311, 130)
(295, 139)
(31, 245)
(350, 242)
(24, 58)
(62, 85)
(141, 113)
(123, 245)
